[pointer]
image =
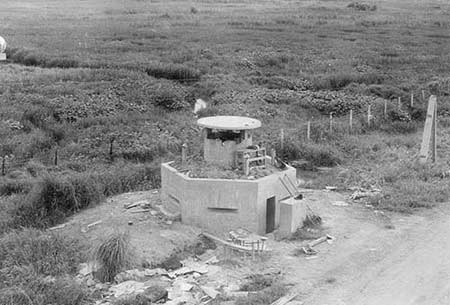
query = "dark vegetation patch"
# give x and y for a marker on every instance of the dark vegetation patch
(340, 80)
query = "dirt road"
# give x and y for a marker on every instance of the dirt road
(379, 260)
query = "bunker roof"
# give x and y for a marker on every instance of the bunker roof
(229, 123)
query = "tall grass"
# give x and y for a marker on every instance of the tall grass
(113, 255)
(34, 268)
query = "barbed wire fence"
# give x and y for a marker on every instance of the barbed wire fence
(315, 130)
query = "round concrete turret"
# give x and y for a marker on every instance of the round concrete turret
(224, 135)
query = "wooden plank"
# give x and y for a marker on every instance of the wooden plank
(287, 298)
(229, 244)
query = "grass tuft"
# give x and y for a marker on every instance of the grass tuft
(113, 255)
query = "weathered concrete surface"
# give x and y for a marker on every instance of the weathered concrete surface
(221, 205)
(292, 214)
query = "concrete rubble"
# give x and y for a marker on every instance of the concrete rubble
(196, 282)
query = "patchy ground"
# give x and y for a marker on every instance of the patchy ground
(153, 237)
(396, 258)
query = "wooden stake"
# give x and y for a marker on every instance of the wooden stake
(369, 115)
(423, 95)
(412, 100)
(308, 131)
(351, 120)
(183, 153)
(399, 102)
(3, 166)
(55, 161)
(111, 156)
(385, 108)
(331, 122)
(282, 139)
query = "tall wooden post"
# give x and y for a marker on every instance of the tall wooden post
(282, 139)
(385, 109)
(412, 100)
(399, 103)
(308, 131)
(351, 120)
(423, 95)
(111, 155)
(183, 153)
(331, 122)
(55, 159)
(428, 147)
(369, 115)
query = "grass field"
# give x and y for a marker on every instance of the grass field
(110, 86)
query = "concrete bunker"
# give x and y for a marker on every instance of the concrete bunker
(253, 201)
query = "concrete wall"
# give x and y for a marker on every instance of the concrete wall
(221, 205)
(271, 186)
(292, 215)
(216, 205)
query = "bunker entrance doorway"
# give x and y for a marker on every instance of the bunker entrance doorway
(270, 214)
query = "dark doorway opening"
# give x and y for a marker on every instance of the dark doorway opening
(270, 214)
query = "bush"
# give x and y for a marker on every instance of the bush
(113, 255)
(317, 154)
(15, 186)
(46, 254)
(340, 80)
(54, 198)
(32, 58)
(263, 297)
(173, 72)
(38, 290)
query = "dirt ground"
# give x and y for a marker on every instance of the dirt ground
(376, 258)
(152, 237)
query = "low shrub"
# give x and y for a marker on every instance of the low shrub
(53, 198)
(173, 71)
(274, 60)
(46, 254)
(317, 154)
(340, 80)
(32, 58)
(263, 297)
(15, 186)
(256, 282)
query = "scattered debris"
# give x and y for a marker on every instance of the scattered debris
(211, 292)
(363, 193)
(131, 205)
(86, 229)
(340, 203)
(57, 227)
(199, 105)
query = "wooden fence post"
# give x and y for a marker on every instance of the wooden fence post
(55, 160)
(385, 109)
(369, 115)
(111, 155)
(308, 131)
(282, 139)
(423, 95)
(351, 120)
(412, 100)
(331, 122)
(3, 165)
(399, 103)
(183, 153)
